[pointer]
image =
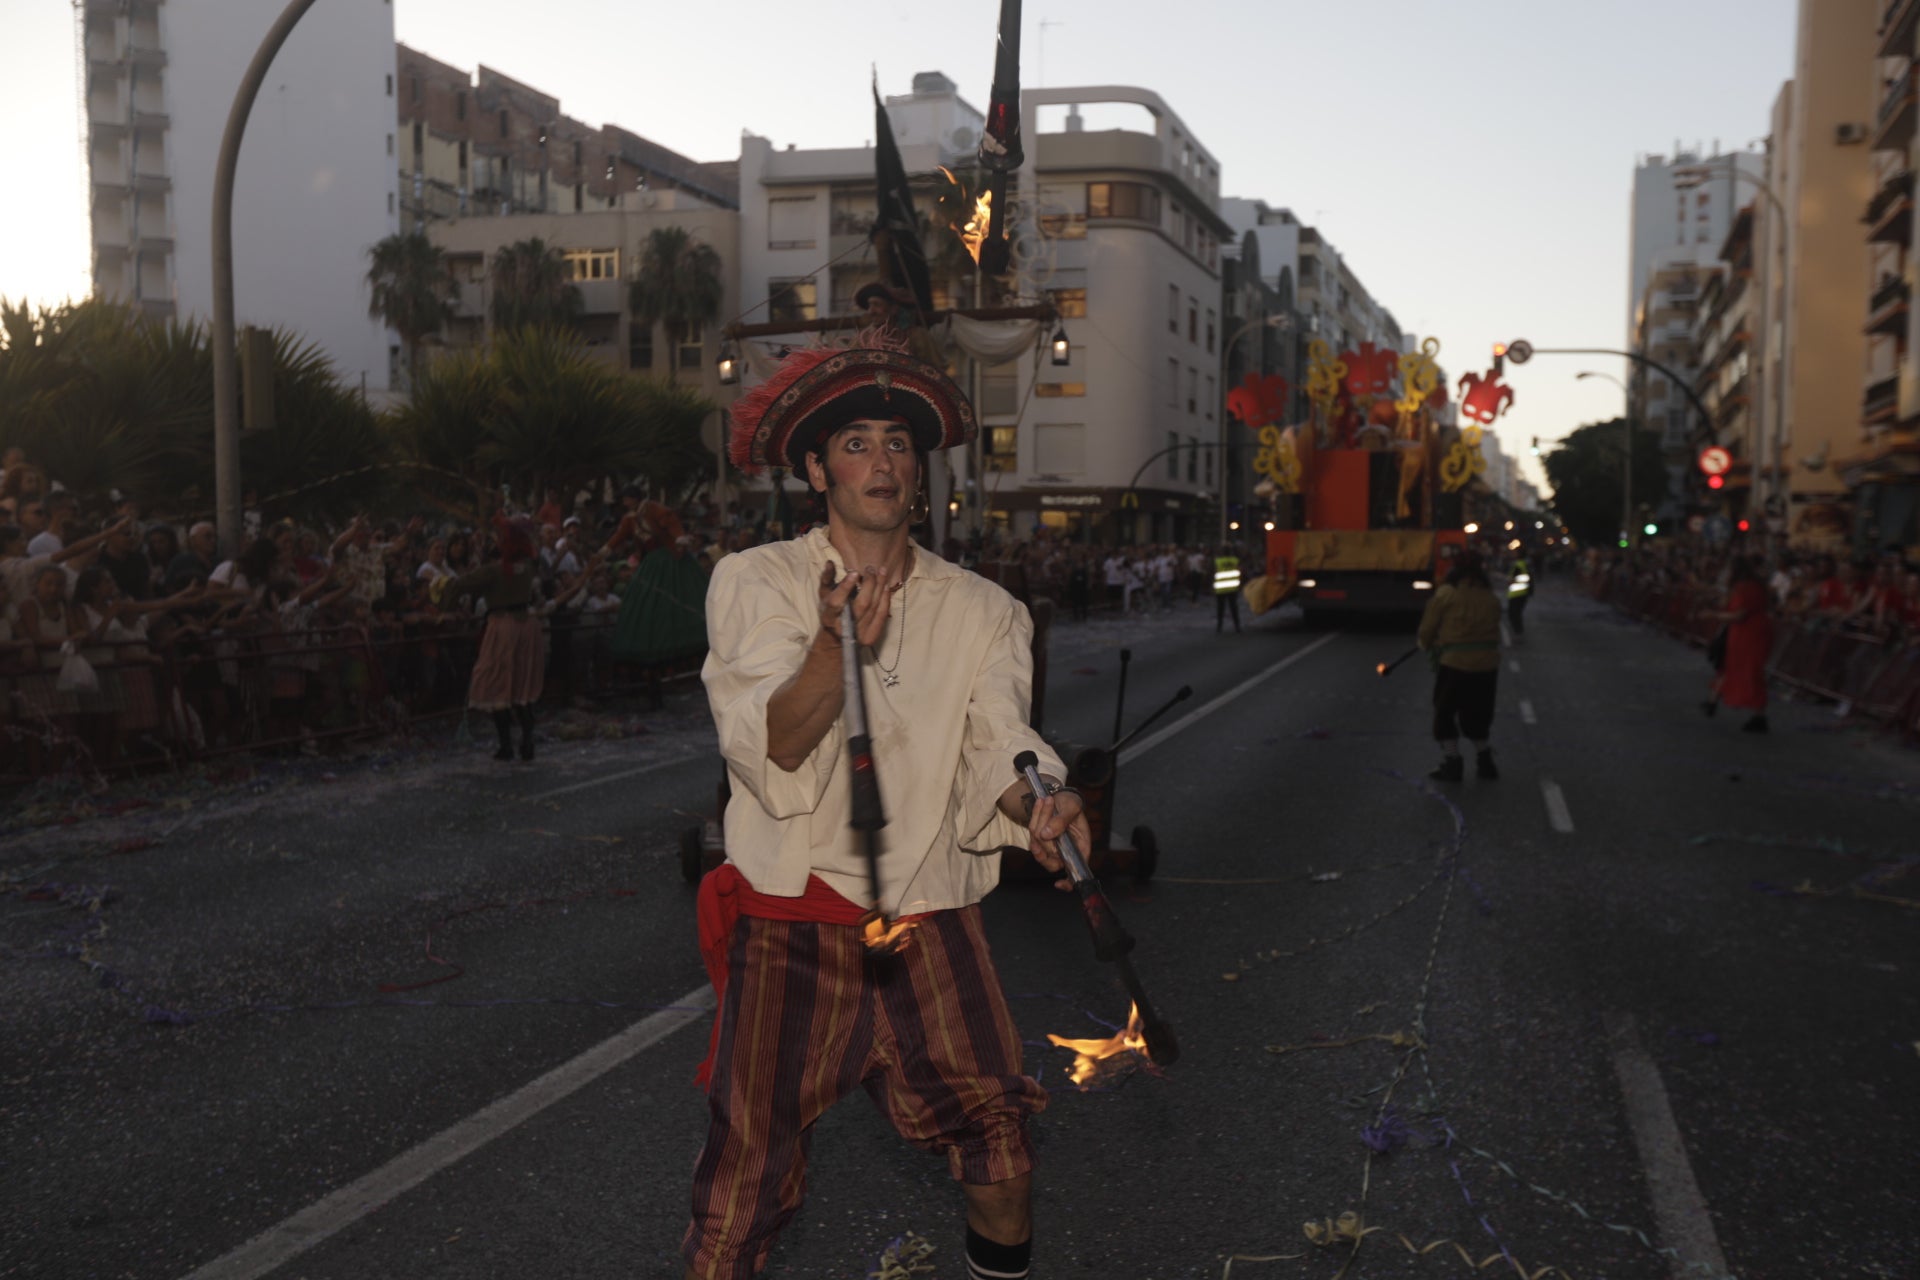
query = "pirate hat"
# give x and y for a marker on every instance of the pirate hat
(816, 392)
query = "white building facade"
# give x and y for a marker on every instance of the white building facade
(315, 189)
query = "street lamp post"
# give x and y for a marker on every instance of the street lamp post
(1626, 464)
(1280, 321)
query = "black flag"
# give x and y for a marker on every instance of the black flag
(1000, 151)
(896, 231)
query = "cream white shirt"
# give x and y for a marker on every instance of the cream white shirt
(944, 739)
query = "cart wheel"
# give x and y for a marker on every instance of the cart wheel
(690, 847)
(1146, 853)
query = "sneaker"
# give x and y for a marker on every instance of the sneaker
(1483, 766)
(1451, 769)
(1709, 707)
(1757, 724)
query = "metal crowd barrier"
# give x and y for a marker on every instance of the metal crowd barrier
(160, 706)
(1870, 676)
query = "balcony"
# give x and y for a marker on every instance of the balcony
(152, 184)
(1890, 212)
(153, 242)
(1881, 404)
(1887, 309)
(157, 120)
(147, 57)
(1896, 28)
(1894, 128)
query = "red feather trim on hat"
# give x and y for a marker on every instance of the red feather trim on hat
(753, 406)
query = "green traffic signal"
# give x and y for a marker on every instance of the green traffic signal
(1650, 529)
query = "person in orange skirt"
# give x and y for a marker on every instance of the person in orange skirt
(510, 673)
(1742, 682)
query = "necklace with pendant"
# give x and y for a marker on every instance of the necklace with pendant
(887, 676)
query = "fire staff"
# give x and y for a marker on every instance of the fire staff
(808, 1011)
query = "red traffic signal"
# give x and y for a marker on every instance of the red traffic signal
(1743, 526)
(1714, 482)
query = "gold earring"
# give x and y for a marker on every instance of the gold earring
(921, 508)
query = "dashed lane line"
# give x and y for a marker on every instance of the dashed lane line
(1526, 712)
(1513, 665)
(1558, 814)
(318, 1222)
(1679, 1210)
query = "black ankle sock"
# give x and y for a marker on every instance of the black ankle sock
(989, 1261)
(503, 725)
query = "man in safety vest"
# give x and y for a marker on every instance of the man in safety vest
(1519, 588)
(1226, 589)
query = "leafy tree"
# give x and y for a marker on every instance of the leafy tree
(412, 290)
(1586, 477)
(678, 283)
(536, 409)
(530, 289)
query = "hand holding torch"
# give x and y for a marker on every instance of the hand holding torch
(866, 816)
(1111, 942)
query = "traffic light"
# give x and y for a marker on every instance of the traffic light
(1743, 526)
(1499, 357)
(1714, 482)
(1650, 528)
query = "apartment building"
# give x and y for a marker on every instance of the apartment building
(315, 188)
(1883, 471)
(1683, 206)
(1664, 332)
(1726, 375)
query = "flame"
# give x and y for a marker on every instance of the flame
(883, 938)
(1089, 1054)
(972, 232)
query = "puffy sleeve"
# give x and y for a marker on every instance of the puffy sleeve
(1430, 620)
(757, 641)
(996, 732)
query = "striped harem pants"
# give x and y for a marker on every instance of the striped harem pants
(806, 1017)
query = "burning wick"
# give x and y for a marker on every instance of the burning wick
(1089, 1054)
(883, 939)
(973, 232)
(1379, 668)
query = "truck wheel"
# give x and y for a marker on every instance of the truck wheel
(691, 842)
(1146, 853)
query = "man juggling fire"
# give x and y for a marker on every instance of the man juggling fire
(842, 962)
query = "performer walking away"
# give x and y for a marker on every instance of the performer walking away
(1742, 682)
(806, 1012)
(510, 673)
(1460, 631)
(1519, 591)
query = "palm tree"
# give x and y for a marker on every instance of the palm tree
(530, 287)
(413, 290)
(678, 283)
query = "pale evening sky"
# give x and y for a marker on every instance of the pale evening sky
(1471, 159)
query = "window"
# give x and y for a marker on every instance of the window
(1209, 466)
(419, 144)
(504, 132)
(1060, 448)
(1133, 200)
(1173, 308)
(790, 300)
(790, 222)
(690, 343)
(592, 264)
(1054, 390)
(1193, 460)
(579, 197)
(1071, 304)
(1003, 448)
(1173, 383)
(389, 202)
(413, 88)
(389, 84)
(1000, 389)
(460, 106)
(640, 346)
(1173, 455)
(1193, 319)
(463, 160)
(1211, 320)
(1193, 389)
(1213, 394)
(852, 213)
(389, 144)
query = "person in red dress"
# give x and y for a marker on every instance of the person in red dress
(1742, 682)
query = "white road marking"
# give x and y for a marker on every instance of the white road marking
(1679, 1210)
(1526, 707)
(280, 1244)
(1506, 636)
(1557, 812)
(1153, 740)
(1513, 664)
(622, 776)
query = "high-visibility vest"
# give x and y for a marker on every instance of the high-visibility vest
(1226, 575)
(1521, 583)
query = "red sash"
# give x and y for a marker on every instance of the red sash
(725, 896)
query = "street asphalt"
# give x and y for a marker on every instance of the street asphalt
(1648, 1005)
